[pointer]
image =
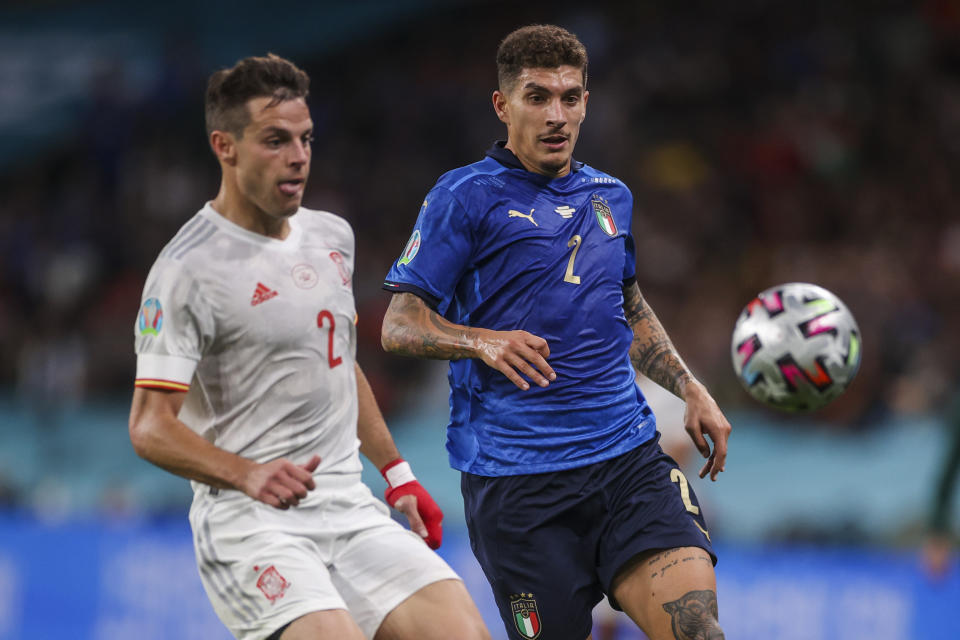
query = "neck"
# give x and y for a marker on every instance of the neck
(234, 207)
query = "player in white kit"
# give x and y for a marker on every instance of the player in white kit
(247, 385)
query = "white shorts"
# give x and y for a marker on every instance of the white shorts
(262, 567)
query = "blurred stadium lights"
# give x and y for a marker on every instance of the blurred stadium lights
(57, 59)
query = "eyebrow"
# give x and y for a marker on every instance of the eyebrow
(539, 87)
(272, 131)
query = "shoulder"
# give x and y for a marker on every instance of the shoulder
(176, 283)
(463, 181)
(183, 255)
(195, 233)
(330, 224)
(467, 192)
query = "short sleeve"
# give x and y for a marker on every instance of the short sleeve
(172, 330)
(438, 252)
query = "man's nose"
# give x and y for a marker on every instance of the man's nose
(300, 153)
(555, 115)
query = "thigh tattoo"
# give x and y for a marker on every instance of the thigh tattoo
(694, 616)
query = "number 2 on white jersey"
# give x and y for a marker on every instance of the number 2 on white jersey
(326, 315)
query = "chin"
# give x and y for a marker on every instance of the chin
(288, 210)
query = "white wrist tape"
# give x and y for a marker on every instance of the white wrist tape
(399, 474)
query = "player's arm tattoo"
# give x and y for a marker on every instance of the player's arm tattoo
(411, 328)
(694, 616)
(651, 351)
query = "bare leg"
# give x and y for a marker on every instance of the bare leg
(334, 623)
(439, 611)
(671, 594)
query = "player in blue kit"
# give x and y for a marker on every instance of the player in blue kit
(521, 271)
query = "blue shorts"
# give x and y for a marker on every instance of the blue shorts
(551, 544)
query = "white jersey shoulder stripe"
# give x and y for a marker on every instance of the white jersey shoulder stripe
(201, 237)
(186, 232)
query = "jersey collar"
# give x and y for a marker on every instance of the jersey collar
(504, 156)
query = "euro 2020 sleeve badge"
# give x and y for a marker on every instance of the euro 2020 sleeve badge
(150, 320)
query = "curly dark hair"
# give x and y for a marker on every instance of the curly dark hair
(538, 46)
(228, 90)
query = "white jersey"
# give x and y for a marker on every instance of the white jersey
(261, 334)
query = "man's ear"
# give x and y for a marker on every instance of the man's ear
(224, 146)
(500, 106)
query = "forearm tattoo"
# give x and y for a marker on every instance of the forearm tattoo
(694, 616)
(414, 329)
(651, 351)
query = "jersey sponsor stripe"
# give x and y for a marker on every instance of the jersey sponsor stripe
(202, 237)
(147, 383)
(222, 580)
(184, 235)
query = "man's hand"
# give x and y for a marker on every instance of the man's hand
(510, 352)
(405, 494)
(412, 328)
(703, 417)
(280, 483)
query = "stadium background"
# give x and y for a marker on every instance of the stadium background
(764, 142)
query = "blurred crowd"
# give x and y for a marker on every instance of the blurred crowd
(770, 143)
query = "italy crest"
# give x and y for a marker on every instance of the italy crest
(604, 215)
(525, 615)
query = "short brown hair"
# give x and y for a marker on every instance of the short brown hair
(228, 90)
(538, 46)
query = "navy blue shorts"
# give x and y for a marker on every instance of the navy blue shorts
(550, 544)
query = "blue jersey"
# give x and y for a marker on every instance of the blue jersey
(503, 248)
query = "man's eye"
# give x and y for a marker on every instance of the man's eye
(273, 142)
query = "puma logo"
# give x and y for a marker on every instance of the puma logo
(513, 213)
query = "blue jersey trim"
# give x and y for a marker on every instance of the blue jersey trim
(402, 287)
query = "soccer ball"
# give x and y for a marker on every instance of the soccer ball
(795, 347)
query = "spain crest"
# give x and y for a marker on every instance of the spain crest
(525, 615)
(272, 584)
(604, 215)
